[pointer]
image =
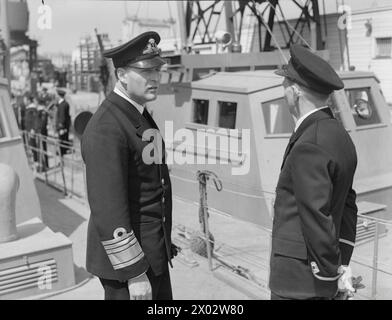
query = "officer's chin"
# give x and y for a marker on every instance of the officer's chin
(150, 96)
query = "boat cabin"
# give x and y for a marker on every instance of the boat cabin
(247, 125)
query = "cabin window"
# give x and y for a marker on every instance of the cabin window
(384, 47)
(277, 117)
(200, 73)
(362, 106)
(333, 106)
(227, 114)
(237, 69)
(200, 111)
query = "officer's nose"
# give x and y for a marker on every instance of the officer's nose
(155, 76)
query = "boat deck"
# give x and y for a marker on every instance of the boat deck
(243, 245)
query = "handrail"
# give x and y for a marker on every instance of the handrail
(380, 220)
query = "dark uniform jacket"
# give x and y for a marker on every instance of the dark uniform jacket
(63, 120)
(315, 218)
(30, 119)
(42, 121)
(130, 201)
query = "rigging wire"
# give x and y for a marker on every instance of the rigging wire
(290, 26)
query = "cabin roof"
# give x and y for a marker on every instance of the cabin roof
(251, 81)
(239, 82)
(357, 74)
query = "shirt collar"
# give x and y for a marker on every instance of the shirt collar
(300, 120)
(31, 105)
(61, 100)
(138, 106)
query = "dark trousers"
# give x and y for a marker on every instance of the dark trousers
(32, 140)
(44, 161)
(276, 297)
(161, 287)
(64, 140)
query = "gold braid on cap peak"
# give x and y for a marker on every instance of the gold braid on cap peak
(151, 47)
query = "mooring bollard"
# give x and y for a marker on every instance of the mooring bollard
(9, 184)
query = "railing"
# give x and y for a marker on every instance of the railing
(56, 162)
(371, 259)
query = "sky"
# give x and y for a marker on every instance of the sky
(72, 19)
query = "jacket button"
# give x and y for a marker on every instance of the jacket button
(164, 219)
(163, 199)
(163, 181)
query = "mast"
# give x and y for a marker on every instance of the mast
(182, 26)
(230, 28)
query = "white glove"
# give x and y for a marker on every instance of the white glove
(345, 282)
(140, 288)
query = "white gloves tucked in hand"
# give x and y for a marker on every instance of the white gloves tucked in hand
(345, 282)
(140, 288)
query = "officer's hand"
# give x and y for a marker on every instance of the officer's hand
(140, 288)
(345, 284)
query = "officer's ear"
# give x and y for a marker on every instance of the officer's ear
(297, 92)
(121, 75)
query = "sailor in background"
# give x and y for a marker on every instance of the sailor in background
(45, 97)
(315, 216)
(30, 125)
(42, 129)
(63, 121)
(129, 234)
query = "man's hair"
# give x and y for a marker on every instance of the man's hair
(310, 94)
(314, 96)
(61, 94)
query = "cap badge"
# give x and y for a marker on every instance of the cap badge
(151, 47)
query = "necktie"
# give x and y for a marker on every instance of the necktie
(149, 119)
(145, 113)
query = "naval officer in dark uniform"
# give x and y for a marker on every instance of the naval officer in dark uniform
(315, 215)
(129, 233)
(63, 121)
